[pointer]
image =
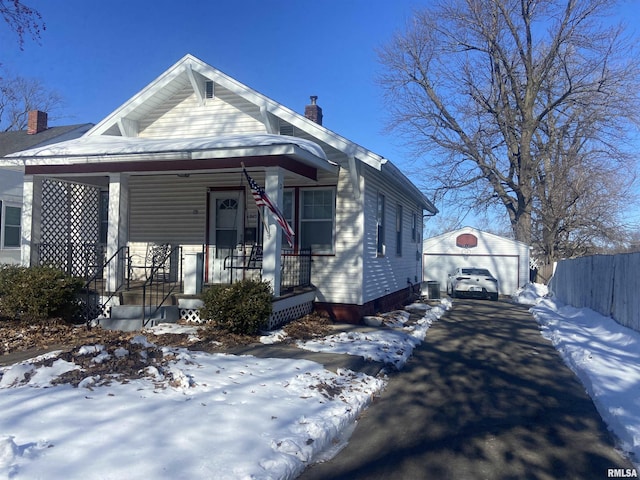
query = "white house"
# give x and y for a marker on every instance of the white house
(506, 259)
(38, 133)
(166, 168)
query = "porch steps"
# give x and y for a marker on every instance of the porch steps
(128, 318)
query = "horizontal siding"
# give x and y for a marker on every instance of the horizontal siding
(389, 273)
(339, 277)
(182, 116)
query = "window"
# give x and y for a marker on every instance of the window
(317, 217)
(399, 230)
(12, 227)
(414, 227)
(380, 226)
(287, 211)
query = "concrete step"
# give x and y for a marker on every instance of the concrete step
(128, 318)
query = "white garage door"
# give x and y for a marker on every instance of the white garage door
(437, 267)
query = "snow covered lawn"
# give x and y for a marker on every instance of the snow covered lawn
(603, 354)
(191, 415)
(200, 416)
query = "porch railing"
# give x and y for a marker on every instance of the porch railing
(161, 283)
(98, 294)
(295, 267)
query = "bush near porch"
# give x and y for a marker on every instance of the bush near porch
(37, 293)
(243, 307)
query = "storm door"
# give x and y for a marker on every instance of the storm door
(226, 226)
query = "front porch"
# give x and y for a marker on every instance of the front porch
(164, 286)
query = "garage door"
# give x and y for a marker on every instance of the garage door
(437, 267)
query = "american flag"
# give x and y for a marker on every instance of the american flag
(263, 200)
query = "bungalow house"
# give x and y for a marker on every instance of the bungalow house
(37, 134)
(170, 171)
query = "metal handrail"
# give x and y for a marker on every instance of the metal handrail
(119, 255)
(167, 288)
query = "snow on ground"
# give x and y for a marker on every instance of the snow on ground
(194, 416)
(202, 416)
(604, 356)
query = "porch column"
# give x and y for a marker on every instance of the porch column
(31, 218)
(272, 239)
(118, 227)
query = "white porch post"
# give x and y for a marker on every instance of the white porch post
(272, 241)
(31, 218)
(118, 228)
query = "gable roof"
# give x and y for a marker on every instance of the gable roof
(16, 141)
(478, 233)
(190, 74)
(188, 70)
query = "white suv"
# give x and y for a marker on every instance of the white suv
(472, 281)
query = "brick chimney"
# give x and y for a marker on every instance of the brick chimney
(313, 112)
(37, 122)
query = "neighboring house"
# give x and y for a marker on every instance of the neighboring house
(168, 166)
(506, 259)
(38, 134)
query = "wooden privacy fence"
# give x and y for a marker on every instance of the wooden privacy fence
(608, 284)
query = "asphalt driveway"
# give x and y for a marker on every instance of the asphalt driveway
(485, 396)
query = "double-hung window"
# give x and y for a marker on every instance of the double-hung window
(11, 226)
(380, 248)
(288, 213)
(317, 219)
(414, 227)
(399, 230)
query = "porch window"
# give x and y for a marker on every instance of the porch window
(399, 230)
(380, 249)
(12, 227)
(317, 218)
(288, 212)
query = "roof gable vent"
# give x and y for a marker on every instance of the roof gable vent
(208, 89)
(287, 129)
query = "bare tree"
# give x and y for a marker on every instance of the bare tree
(473, 84)
(19, 95)
(23, 20)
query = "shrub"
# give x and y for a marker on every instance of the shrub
(243, 307)
(37, 293)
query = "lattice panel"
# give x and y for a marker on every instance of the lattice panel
(70, 225)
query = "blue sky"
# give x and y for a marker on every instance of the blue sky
(98, 54)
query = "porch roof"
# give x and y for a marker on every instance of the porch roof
(113, 153)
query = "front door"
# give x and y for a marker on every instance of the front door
(226, 226)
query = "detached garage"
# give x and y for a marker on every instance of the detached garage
(507, 260)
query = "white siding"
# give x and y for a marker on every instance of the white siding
(339, 277)
(182, 116)
(389, 273)
(507, 259)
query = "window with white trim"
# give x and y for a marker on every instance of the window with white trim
(414, 227)
(288, 213)
(380, 245)
(399, 230)
(11, 227)
(317, 219)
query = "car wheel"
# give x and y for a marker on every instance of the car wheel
(494, 296)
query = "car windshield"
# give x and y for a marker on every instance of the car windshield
(476, 271)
